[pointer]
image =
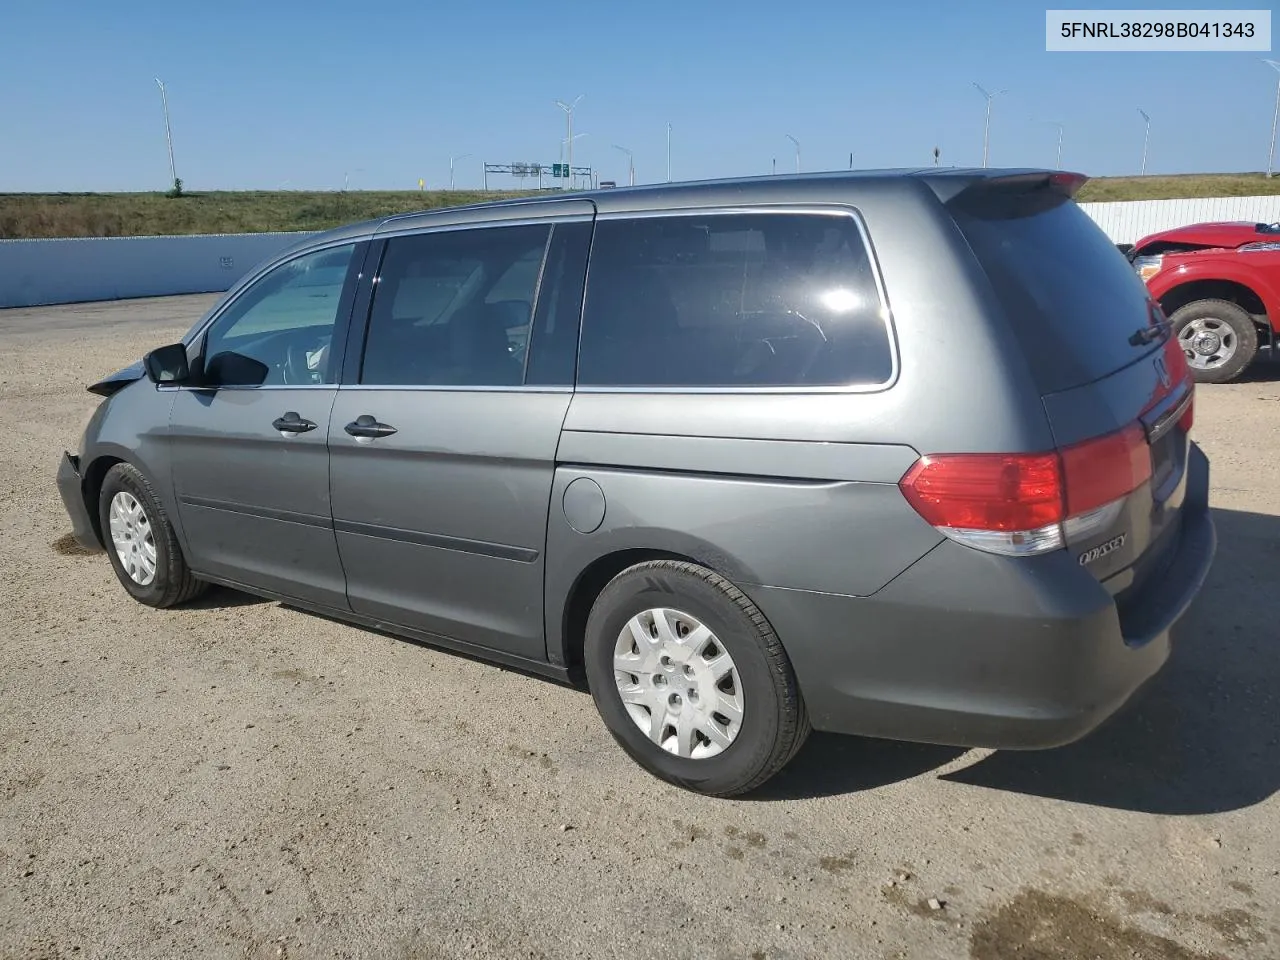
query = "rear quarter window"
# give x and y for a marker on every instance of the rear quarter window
(733, 300)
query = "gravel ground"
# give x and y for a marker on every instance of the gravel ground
(240, 779)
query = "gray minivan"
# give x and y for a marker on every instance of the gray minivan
(899, 454)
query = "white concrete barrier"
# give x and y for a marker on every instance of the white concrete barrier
(37, 272)
(1128, 221)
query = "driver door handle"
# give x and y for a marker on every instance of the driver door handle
(292, 423)
(366, 426)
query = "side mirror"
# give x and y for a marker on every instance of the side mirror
(167, 364)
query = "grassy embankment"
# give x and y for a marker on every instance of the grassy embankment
(250, 211)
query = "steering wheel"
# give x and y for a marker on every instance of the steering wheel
(295, 371)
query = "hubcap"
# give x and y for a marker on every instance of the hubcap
(132, 538)
(1207, 342)
(678, 684)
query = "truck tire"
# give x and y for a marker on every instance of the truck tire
(1218, 338)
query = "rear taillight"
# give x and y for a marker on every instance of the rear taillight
(1027, 504)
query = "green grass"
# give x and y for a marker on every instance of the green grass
(1176, 187)
(24, 215)
(251, 211)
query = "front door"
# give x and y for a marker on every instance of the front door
(249, 442)
(443, 449)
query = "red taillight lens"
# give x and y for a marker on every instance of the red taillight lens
(1102, 470)
(986, 491)
(1023, 504)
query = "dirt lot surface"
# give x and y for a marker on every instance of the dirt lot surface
(239, 779)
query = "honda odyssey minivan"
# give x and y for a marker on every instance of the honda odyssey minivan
(899, 454)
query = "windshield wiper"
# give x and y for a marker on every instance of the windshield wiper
(1144, 335)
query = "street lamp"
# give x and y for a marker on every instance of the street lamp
(1146, 136)
(568, 109)
(631, 165)
(168, 133)
(563, 142)
(986, 129)
(461, 156)
(797, 143)
(668, 153)
(1274, 117)
(1055, 123)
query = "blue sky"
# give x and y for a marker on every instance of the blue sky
(281, 92)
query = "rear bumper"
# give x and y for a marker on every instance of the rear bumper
(973, 650)
(71, 489)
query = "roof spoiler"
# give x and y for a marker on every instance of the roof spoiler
(1025, 183)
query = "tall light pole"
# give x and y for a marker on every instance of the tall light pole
(568, 109)
(563, 142)
(168, 133)
(797, 143)
(631, 164)
(986, 128)
(1055, 123)
(1274, 117)
(1146, 137)
(461, 156)
(668, 152)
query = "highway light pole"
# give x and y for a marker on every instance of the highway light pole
(1274, 117)
(1055, 123)
(568, 109)
(797, 143)
(1146, 137)
(168, 133)
(631, 165)
(668, 152)
(461, 156)
(986, 128)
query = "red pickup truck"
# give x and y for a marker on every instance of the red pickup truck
(1219, 284)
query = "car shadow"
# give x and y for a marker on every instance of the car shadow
(830, 764)
(218, 597)
(1264, 369)
(1203, 737)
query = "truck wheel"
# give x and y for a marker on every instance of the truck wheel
(691, 680)
(1218, 337)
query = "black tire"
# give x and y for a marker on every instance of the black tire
(775, 723)
(1241, 326)
(173, 582)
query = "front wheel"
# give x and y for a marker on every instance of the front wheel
(691, 680)
(141, 543)
(1218, 338)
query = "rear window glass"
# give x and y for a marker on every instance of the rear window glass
(733, 300)
(1071, 297)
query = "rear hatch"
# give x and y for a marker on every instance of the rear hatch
(1113, 380)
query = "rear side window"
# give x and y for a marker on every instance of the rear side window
(733, 300)
(453, 308)
(1072, 299)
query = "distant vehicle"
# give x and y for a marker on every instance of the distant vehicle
(606, 184)
(1219, 284)
(901, 455)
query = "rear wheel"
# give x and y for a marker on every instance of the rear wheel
(691, 680)
(141, 543)
(1218, 338)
